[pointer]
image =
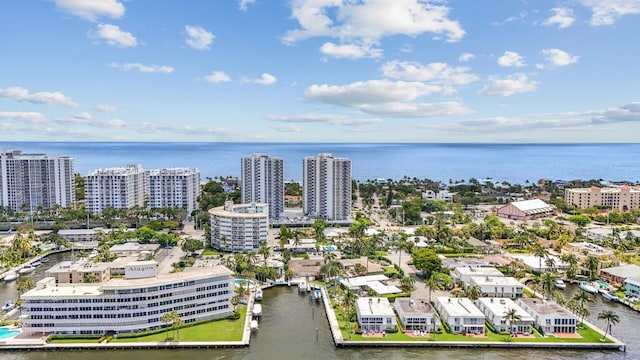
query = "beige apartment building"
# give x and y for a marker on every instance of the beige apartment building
(624, 198)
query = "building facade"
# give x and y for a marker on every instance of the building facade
(498, 287)
(28, 181)
(461, 315)
(327, 187)
(121, 188)
(416, 314)
(239, 227)
(624, 198)
(495, 311)
(550, 317)
(263, 182)
(375, 314)
(525, 210)
(174, 187)
(131, 304)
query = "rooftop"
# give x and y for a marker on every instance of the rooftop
(461, 307)
(374, 306)
(535, 206)
(502, 306)
(478, 271)
(495, 280)
(624, 271)
(546, 307)
(414, 306)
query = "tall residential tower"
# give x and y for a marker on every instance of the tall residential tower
(327, 187)
(175, 187)
(31, 180)
(263, 182)
(121, 188)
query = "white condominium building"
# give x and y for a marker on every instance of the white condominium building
(327, 187)
(120, 188)
(240, 227)
(624, 198)
(175, 187)
(131, 304)
(31, 180)
(263, 182)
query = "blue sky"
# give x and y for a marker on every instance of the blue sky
(320, 70)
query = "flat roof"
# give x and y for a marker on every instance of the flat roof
(415, 307)
(363, 280)
(534, 261)
(382, 289)
(375, 306)
(546, 307)
(496, 280)
(500, 306)
(186, 274)
(624, 271)
(478, 271)
(459, 307)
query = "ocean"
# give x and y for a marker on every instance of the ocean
(514, 163)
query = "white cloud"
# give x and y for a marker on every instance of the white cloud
(511, 59)
(198, 38)
(92, 9)
(82, 119)
(558, 57)
(562, 16)
(607, 12)
(106, 108)
(406, 48)
(217, 77)
(351, 51)
(514, 84)
(47, 98)
(510, 19)
(242, 4)
(339, 120)
(30, 117)
(369, 21)
(464, 57)
(143, 68)
(437, 73)
(83, 116)
(114, 36)
(287, 128)
(370, 92)
(398, 109)
(266, 79)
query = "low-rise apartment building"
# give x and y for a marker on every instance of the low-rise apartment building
(461, 315)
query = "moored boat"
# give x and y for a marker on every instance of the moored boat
(257, 310)
(8, 305)
(36, 263)
(608, 295)
(317, 295)
(10, 276)
(259, 295)
(560, 284)
(586, 286)
(254, 325)
(26, 269)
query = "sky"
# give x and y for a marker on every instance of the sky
(421, 71)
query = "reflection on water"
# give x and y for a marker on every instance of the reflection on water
(294, 327)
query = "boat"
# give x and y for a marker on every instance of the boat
(317, 295)
(257, 310)
(27, 269)
(254, 325)
(36, 263)
(44, 260)
(259, 295)
(560, 284)
(10, 276)
(608, 295)
(8, 305)
(586, 286)
(302, 286)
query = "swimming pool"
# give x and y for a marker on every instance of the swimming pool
(330, 248)
(246, 283)
(5, 333)
(603, 284)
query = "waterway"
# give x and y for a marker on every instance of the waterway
(293, 327)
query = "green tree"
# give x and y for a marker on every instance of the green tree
(427, 261)
(473, 292)
(437, 281)
(25, 284)
(348, 302)
(265, 251)
(511, 317)
(592, 263)
(611, 318)
(176, 322)
(191, 245)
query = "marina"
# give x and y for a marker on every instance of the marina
(588, 287)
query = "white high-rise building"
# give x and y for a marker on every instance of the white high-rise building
(31, 180)
(327, 187)
(121, 188)
(263, 182)
(239, 227)
(176, 187)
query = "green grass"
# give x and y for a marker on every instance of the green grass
(529, 293)
(207, 252)
(73, 341)
(221, 330)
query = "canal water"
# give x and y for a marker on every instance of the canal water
(292, 327)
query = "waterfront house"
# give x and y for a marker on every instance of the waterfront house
(464, 274)
(416, 314)
(550, 317)
(375, 314)
(461, 315)
(79, 236)
(495, 310)
(632, 287)
(498, 287)
(618, 274)
(131, 304)
(303, 268)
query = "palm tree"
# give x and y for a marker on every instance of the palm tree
(437, 281)
(592, 263)
(540, 252)
(580, 298)
(511, 316)
(548, 282)
(25, 284)
(573, 264)
(407, 283)
(176, 321)
(473, 292)
(90, 277)
(349, 299)
(265, 251)
(611, 318)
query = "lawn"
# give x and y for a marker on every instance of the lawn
(210, 252)
(73, 341)
(221, 330)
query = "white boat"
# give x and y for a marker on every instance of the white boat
(257, 310)
(10, 276)
(36, 263)
(259, 295)
(302, 286)
(254, 325)
(317, 295)
(560, 284)
(608, 295)
(44, 259)
(8, 305)
(586, 286)
(26, 269)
